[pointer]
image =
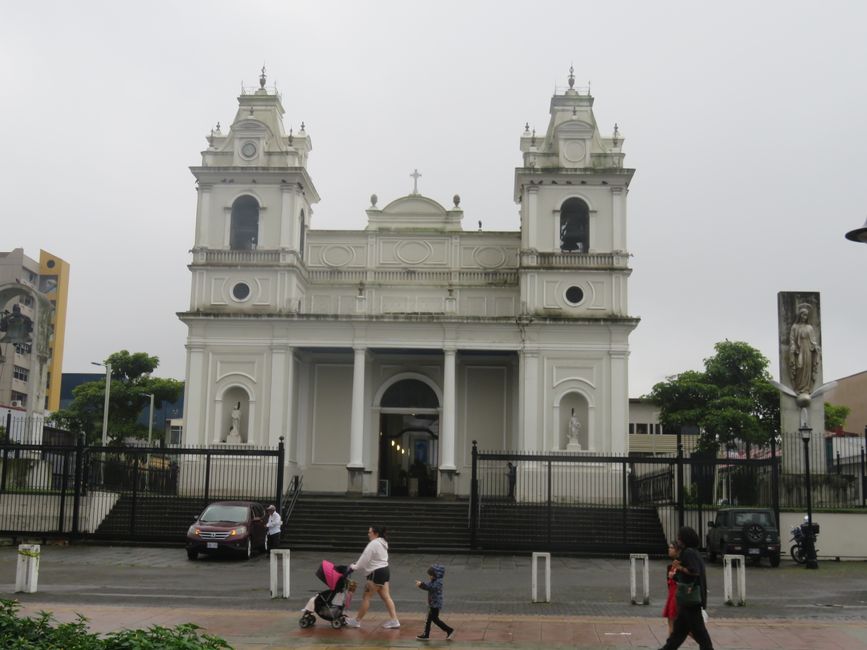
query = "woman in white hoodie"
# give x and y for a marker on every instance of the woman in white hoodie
(373, 563)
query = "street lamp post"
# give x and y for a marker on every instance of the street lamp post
(150, 418)
(812, 562)
(105, 405)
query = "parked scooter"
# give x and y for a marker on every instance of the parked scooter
(799, 536)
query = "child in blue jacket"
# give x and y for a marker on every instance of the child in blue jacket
(434, 589)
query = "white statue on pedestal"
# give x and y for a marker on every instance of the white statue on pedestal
(234, 437)
(574, 431)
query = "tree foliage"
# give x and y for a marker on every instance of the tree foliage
(732, 399)
(131, 387)
(835, 416)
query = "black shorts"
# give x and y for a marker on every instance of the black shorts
(380, 576)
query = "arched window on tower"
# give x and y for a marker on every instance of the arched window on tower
(244, 229)
(574, 226)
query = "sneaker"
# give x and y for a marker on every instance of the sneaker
(423, 637)
(392, 624)
(451, 636)
(353, 622)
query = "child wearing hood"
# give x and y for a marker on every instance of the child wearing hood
(434, 589)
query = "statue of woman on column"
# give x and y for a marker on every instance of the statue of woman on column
(804, 352)
(234, 436)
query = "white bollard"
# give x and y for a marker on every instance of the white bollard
(535, 579)
(728, 560)
(633, 558)
(280, 554)
(27, 573)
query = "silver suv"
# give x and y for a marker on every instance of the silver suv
(751, 532)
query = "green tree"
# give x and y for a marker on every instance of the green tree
(131, 385)
(733, 399)
(835, 416)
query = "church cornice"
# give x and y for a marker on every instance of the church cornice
(258, 175)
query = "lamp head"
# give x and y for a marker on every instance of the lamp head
(805, 432)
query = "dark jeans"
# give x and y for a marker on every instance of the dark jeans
(689, 619)
(273, 541)
(433, 616)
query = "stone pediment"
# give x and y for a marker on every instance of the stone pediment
(414, 212)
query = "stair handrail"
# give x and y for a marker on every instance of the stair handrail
(292, 496)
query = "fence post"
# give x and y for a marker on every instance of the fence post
(76, 500)
(625, 507)
(134, 493)
(474, 496)
(679, 462)
(281, 452)
(775, 481)
(207, 475)
(550, 503)
(63, 484)
(863, 479)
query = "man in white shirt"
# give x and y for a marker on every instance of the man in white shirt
(275, 523)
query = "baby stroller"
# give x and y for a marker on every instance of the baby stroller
(330, 603)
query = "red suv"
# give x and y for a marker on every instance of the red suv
(234, 526)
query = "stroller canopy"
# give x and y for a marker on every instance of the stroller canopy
(330, 574)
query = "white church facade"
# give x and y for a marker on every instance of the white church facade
(379, 355)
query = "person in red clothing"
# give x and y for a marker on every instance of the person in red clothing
(670, 610)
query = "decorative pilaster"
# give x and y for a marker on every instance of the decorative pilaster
(529, 399)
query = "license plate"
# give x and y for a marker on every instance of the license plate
(755, 551)
(213, 545)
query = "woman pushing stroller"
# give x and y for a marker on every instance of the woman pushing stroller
(373, 563)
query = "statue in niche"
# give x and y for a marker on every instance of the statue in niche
(234, 436)
(17, 326)
(804, 352)
(574, 431)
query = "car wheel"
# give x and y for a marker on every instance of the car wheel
(192, 555)
(775, 559)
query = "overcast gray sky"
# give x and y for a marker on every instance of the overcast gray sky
(744, 121)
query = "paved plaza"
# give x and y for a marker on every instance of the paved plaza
(487, 601)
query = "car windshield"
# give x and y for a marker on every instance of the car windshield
(219, 512)
(761, 518)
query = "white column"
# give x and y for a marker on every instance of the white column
(356, 431)
(287, 223)
(619, 403)
(532, 216)
(193, 394)
(618, 214)
(203, 219)
(281, 392)
(530, 400)
(447, 424)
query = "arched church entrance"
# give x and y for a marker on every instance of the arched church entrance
(408, 440)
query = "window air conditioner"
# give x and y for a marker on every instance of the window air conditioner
(17, 402)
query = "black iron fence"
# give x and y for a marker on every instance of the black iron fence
(585, 502)
(130, 492)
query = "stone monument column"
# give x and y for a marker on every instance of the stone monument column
(800, 339)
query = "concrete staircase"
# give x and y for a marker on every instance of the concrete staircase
(333, 523)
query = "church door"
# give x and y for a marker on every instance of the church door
(408, 440)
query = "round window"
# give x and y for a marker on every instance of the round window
(241, 291)
(574, 295)
(248, 150)
(50, 264)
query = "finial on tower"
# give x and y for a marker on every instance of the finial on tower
(571, 77)
(302, 128)
(218, 128)
(526, 127)
(262, 77)
(291, 138)
(616, 137)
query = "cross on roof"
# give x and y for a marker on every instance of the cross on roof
(415, 176)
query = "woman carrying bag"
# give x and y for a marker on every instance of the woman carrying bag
(691, 593)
